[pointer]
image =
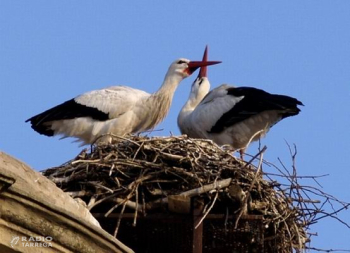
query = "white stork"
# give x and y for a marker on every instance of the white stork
(232, 116)
(117, 110)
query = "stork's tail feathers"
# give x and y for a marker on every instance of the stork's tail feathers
(70, 109)
(40, 126)
(290, 105)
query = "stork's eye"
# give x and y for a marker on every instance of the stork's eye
(201, 81)
(180, 62)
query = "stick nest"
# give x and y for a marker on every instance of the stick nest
(138, 174)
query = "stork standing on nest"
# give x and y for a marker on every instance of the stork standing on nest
(117, 110)
(232, 116)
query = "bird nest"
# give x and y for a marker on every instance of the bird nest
(142, 175)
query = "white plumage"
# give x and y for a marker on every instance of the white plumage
(232, 116)
(117, 110)
(124, 107)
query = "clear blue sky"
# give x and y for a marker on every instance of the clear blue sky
(51, 51)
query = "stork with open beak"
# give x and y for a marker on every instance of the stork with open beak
(117, 110)
(232, 116)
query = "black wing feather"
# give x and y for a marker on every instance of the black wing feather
(254, 102)
(67, 110)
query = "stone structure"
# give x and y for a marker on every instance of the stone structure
(36, 216)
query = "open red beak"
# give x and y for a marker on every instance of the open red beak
(193, 65)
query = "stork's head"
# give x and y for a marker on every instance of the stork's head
(201, 84)
(185, 67)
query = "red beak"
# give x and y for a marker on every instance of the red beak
(203, 70)
(193, 65)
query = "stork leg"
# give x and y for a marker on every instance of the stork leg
(241, 152)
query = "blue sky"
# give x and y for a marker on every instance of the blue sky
(52, 51)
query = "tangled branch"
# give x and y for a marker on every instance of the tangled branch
(139, 175)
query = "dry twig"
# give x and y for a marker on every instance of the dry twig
(137, 174)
